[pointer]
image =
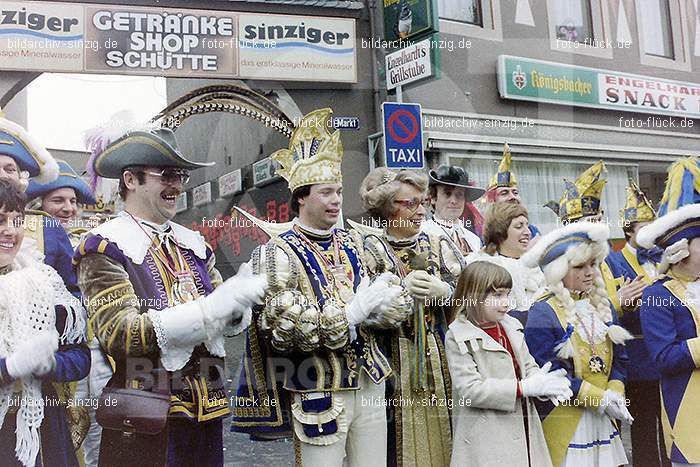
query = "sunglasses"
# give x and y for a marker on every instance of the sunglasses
(170, 176)
(412, 204)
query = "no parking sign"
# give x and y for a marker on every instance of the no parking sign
(403, 136)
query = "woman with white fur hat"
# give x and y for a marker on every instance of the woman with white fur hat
(670, 310)
(573, 326)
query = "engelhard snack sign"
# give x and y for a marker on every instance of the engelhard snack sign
(536, 80)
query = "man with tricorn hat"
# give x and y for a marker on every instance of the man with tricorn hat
(23, 158)
(320, 319)
(450, 189)
(159, 308)
(61, 197)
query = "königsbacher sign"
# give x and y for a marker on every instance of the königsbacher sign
(540, 81)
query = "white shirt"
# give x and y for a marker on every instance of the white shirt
(452, 230)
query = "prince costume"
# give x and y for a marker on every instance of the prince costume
(331, 372)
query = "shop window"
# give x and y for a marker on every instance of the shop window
(656, 23)
(663, 35)
(541, 181)
(474, 18)
(463, 11)
(580, 26)
(573, 21)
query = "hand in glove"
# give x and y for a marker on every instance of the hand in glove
(552, 385)
(229, 300)
(367, 298)
(420, 284)
(614, 406)
(34, 356)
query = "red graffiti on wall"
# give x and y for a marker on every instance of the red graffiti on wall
(227, 231)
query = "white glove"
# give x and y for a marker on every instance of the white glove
(367, 298)
(420, 284)
(34, 356)
(231, 299)
(552, 385)
(614, 406)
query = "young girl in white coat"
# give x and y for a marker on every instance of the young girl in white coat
(494, 376)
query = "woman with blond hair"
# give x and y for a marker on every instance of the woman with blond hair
(574, 327)
(428, 265)
(494, 416)
(507, 237)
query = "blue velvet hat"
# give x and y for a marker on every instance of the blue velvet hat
(67, 178)
(29, 155)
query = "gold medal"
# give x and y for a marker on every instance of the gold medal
(184, 288)
(343, 283)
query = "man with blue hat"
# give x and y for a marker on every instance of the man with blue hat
(159, 308)
(643, 379)
(503, 186)
(22, 158)
(670, 309)
(60, 198)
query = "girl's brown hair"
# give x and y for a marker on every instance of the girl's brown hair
(475, 283)
(497, 222)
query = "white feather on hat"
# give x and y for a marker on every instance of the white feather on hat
(48, 167)
(597, 231)
(647, 235)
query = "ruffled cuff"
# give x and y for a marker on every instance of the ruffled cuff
(178, 330)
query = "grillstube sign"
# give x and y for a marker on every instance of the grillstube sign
(75, 37)
(540, 81)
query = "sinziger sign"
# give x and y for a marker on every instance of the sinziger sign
(74, 37)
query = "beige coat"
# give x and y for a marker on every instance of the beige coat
(487, 416)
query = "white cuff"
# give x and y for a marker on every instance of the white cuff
(178, 330)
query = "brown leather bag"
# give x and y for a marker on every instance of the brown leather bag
(134, 426)
(133, 411)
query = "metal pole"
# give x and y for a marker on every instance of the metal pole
(399, 94)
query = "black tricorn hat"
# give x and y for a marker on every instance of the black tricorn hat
(455, 176)
(156, 148)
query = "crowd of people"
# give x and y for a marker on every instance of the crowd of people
(414, 339)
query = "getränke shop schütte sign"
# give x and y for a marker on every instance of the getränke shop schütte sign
(74, 37)
(536, 80)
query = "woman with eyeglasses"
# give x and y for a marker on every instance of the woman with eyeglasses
(418, 400)
(506, 238)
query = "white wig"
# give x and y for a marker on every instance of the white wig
(570, 246)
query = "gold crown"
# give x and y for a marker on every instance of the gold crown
(314, 155)
(582, 198)
(637, 208)
(504, 177)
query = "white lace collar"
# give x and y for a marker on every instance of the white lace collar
(133, 241)
(319, 232)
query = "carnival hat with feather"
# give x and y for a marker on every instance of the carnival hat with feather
(637, 208)
(67, 178)
(314, 155)
(505, 176)
(154, 146)
(679, 214)
(30, 156)
(582, 197)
